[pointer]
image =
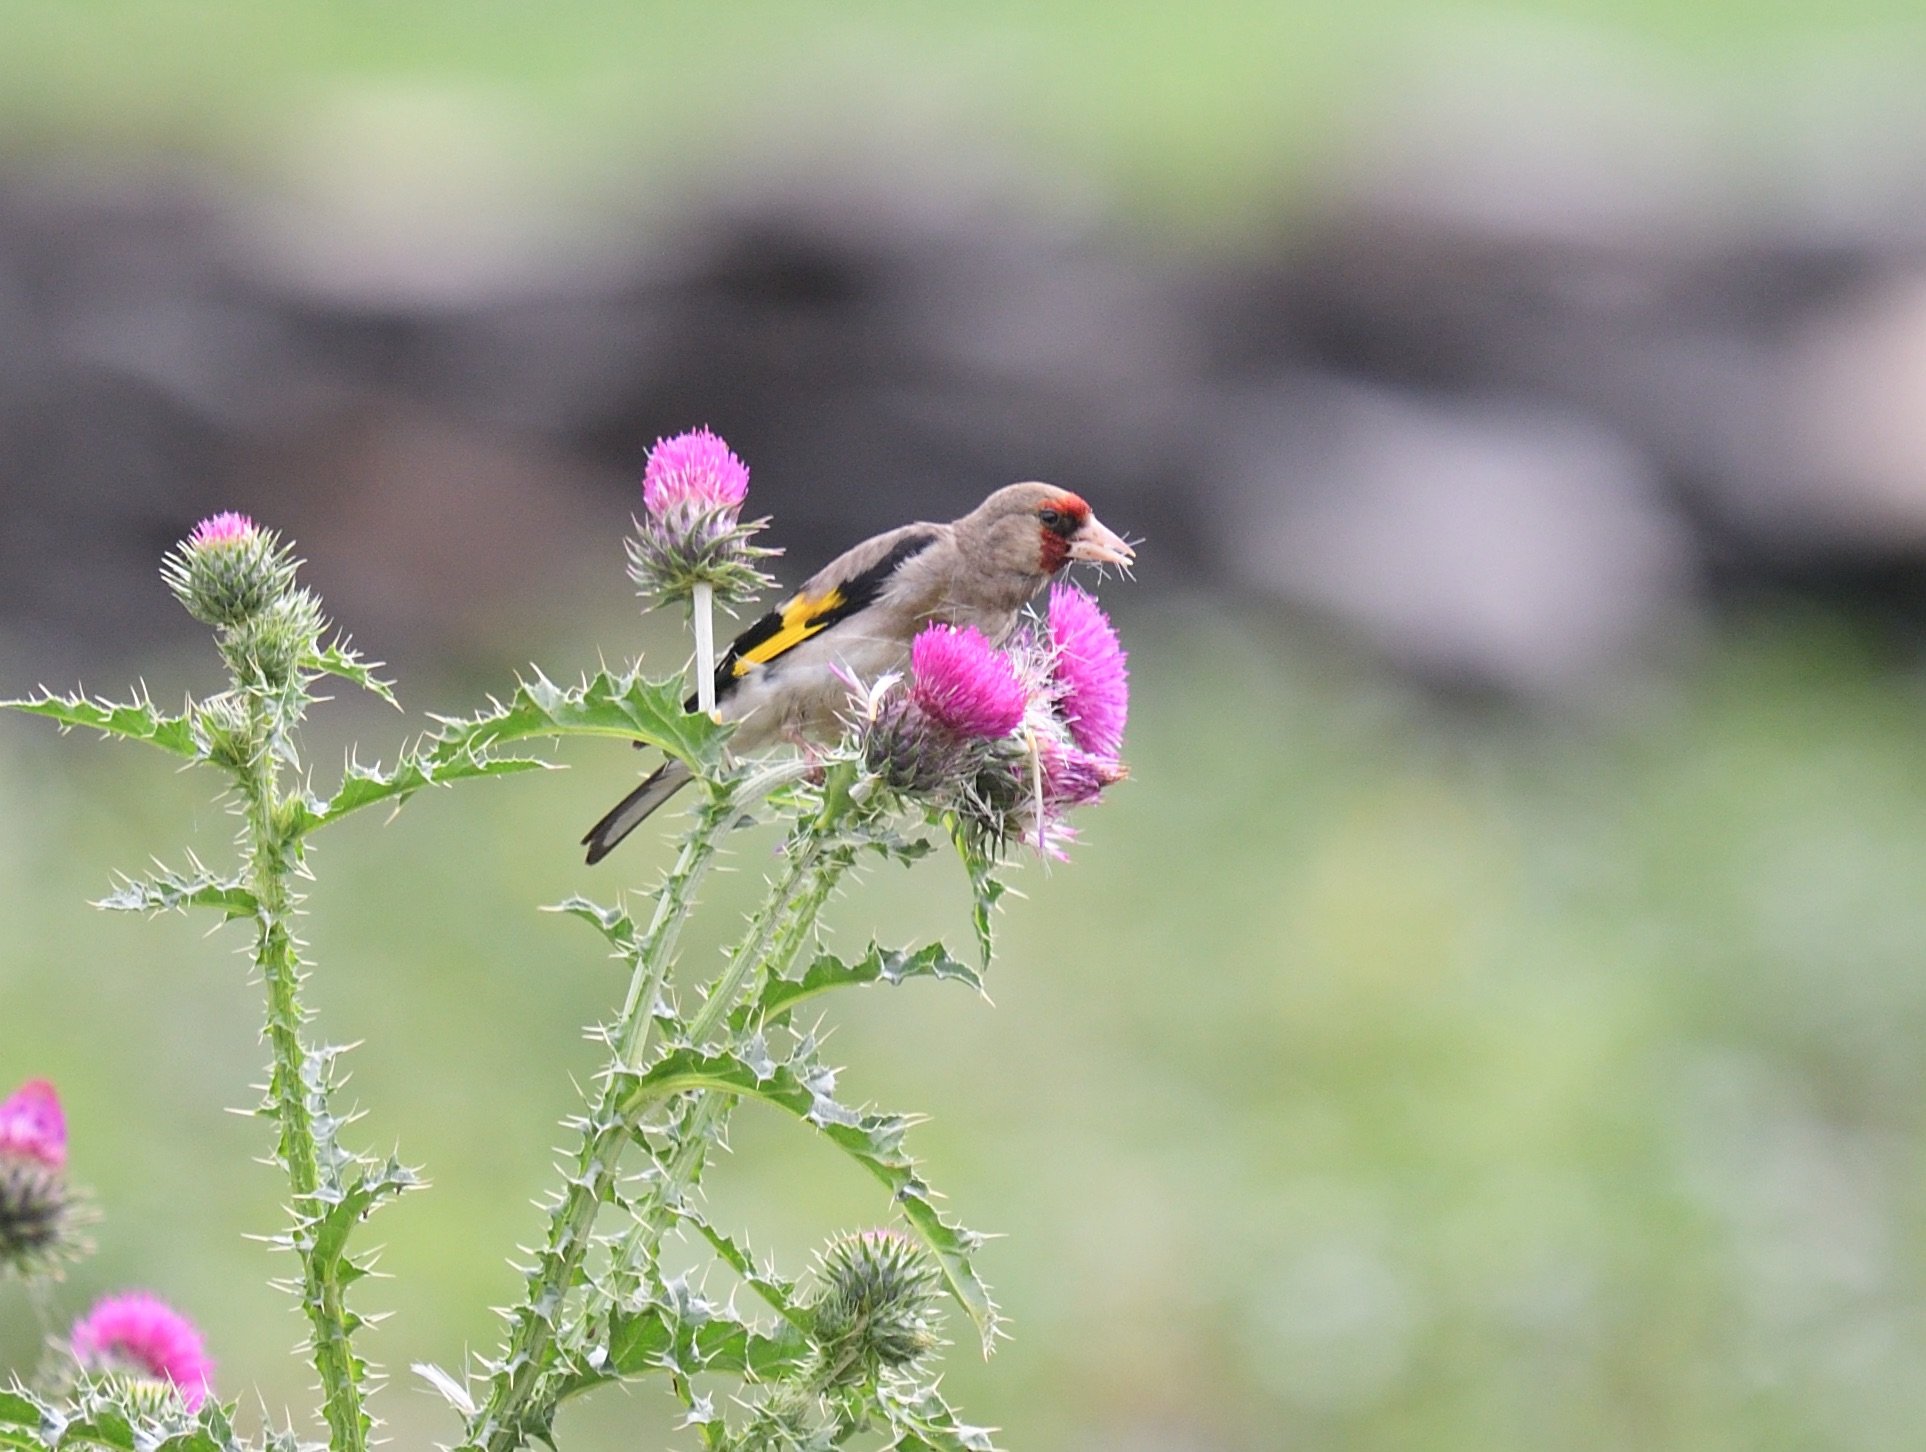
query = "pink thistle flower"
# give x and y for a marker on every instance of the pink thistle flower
(32, 1126)
(964, 683)
(696, 468)
(1091, 670)
(143, 1335)
(218, 530)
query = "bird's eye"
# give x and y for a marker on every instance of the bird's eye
(1051, 517)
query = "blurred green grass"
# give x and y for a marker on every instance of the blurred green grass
(1379, 1075)
(1191, 116)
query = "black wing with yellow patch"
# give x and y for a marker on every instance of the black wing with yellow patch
(802, 616)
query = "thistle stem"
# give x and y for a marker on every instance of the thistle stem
(296, 1091)
(499, 1425)
(703, 607)
(775, 936)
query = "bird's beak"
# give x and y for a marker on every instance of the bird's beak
(1098, 545)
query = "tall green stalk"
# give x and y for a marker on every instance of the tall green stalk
(498, 1424)
(815, 864)
(297, 1087)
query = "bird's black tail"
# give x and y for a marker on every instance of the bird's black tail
(664, 782)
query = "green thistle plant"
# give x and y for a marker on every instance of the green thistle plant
(684, 1048)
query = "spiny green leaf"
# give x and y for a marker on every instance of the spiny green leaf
(105, 1427)
(340, 659)
(712, 1339)
(613, 923)
(363, 786)
(331, 1228)
(778, 1291)
(25, 1421)
(197, 887)
(874, 1141)
(923, 1422)
(623, 706)
(879, 965)
(133, 720)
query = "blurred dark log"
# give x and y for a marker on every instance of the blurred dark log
(1515, 459)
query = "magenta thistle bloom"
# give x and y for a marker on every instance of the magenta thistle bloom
(1091, 671)
(142, 1335)
(964, 683)
(693, 468)
(225, 528)
(32, 1126)
(690, 534)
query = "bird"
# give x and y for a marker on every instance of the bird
(785, 678)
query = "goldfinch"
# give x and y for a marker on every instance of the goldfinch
(781, 679)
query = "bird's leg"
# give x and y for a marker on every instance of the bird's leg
(793, 736)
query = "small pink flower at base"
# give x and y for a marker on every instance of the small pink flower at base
(225, 528)
(694, 468)
(964, 683)
(142, 1335)
(1091, 670)
(1073, 777)
(32, 1126)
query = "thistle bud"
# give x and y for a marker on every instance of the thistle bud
(141, 1339)
(875, 1307)
(225, 731)
(228, 570)
(787, 1419)
(267, 649)
(40, 1216)
(691, 532)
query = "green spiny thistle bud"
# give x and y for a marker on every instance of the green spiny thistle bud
(145, 1403)
(228, 570)
(875, 1307)
(787, 1419)
(41, 1215)
(268, 648)
(226, 731)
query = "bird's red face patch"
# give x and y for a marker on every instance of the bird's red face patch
(1059, 518)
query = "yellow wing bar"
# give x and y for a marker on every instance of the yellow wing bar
(802, 617)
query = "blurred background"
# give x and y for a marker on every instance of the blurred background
(1492, 1016)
